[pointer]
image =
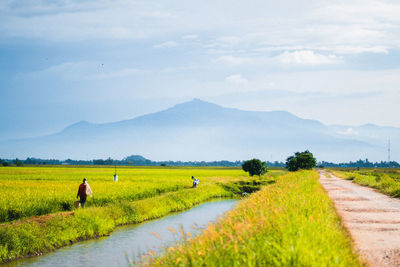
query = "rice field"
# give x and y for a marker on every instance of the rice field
(34, 191)
(142, 193)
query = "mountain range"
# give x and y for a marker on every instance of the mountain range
(199, 130)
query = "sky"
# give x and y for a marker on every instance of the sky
(63, 61)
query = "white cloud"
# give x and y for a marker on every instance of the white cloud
(354, 26)
(340, 49)
(306, 57)
(367, 12)
(226, 41)
(190, 36)
(236, 79)
(350, 131)
(168, 44)
(360, 49)
(235, 61)
(295, 58)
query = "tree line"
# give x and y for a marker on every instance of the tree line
(129, 161)
(136, 160)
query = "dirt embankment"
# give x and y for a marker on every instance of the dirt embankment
(372, 219)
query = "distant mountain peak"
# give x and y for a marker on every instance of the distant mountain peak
(197, 104)
(200, 130)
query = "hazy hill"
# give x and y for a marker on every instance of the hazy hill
(198, 130)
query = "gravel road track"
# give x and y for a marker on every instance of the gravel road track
(371, 218)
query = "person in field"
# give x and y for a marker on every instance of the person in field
(84, 191)
(195, 182)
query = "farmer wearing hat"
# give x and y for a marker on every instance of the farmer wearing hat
(83, 191)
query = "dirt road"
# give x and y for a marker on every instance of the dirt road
(372, 219)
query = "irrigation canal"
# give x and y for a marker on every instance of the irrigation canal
(126, 243)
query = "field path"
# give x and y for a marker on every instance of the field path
(372, 219)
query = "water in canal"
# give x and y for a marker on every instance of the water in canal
(130, 241)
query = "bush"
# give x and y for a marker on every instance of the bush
(255, 167)
(301, 160)
(18, 163)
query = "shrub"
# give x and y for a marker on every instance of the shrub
(18, 163)
(301, 160)
(255, 167)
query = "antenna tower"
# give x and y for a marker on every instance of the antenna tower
(389, 150)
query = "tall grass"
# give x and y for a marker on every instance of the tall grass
(387, 182)
(289, 223)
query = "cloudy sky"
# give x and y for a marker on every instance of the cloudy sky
(62, 61)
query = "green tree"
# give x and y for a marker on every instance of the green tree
(301, 160)
(255, 167)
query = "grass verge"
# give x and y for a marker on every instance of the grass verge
(289, 223)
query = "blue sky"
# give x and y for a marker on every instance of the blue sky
(101, 61)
